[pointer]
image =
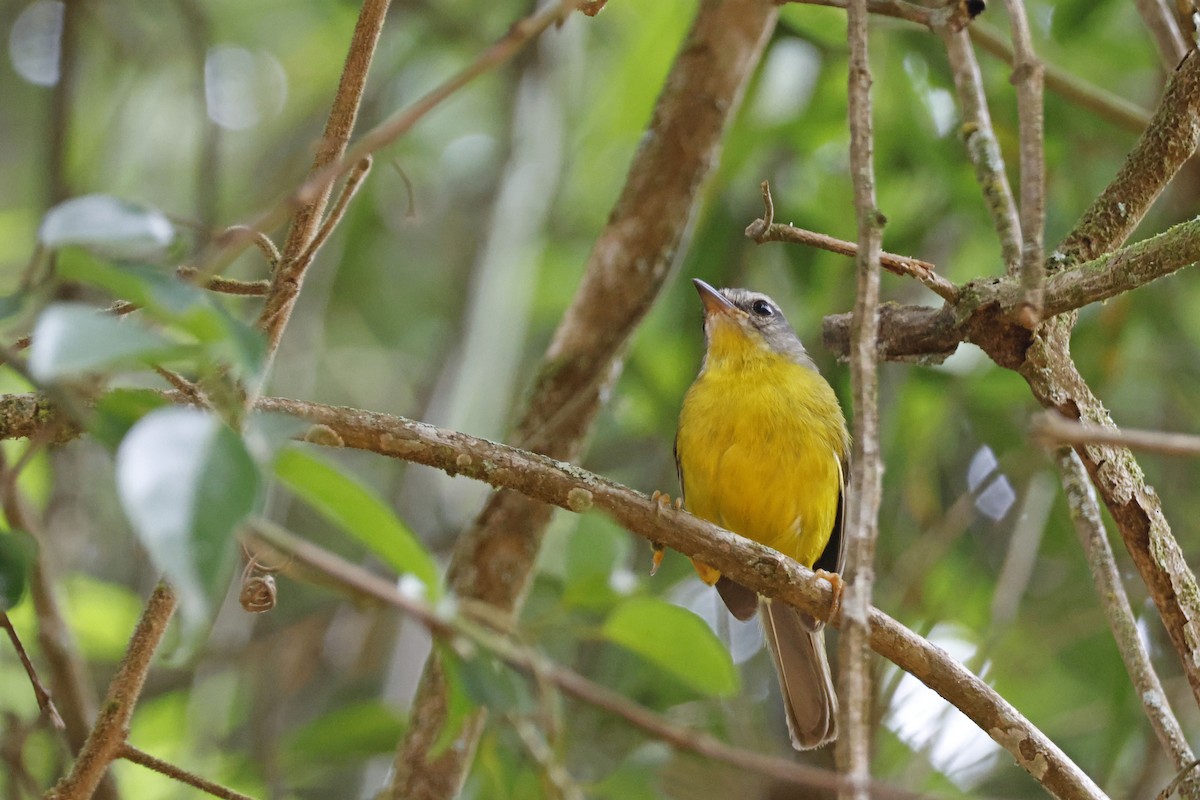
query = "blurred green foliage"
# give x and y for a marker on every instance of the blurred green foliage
(435, 299)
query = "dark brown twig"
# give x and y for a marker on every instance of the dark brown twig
(766, 229)
(44, 701)
(136, 756)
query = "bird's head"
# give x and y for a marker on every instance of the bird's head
(745, 326)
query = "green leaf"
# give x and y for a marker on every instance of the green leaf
(17, 550)
(347, 734)
(359, 512)
(186, 481)
(491, 684)
(594, 549)
(676, 640)
(119, 410)
(108, 226)
(70, 338)
(152, 288)
(636, 777)
(178, 305)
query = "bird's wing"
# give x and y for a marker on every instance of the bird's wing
(834, 555)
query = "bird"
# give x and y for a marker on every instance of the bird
(762, 450)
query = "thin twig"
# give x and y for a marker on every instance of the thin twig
(1085, 514)
(558, 782)
(1101, 102)
(1027, 77)
(1165, 30)
(353, 183)
(979, 137)
(334, 162)
(260, 239)
(766, 229)
(1179, 778)
(1051, 428)
(136, 756)
(44, 701)
(866, 468)
(191, 391)
(309, 204)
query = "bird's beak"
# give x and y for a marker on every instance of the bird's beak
(715, 302)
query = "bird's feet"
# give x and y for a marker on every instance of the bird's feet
(657, 559)
(838, 586)
(664, 503)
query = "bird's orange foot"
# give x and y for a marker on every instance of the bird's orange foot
(664, 501)
(838, 585)
(657, 559)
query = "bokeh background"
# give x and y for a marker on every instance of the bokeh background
(439, 292)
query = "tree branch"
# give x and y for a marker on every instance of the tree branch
(136, 756)
(1027, 77)
(1085, 514)
(755, 565)
(985, 310)
(287, 279)
(766, 229)
(866, 468)
(107, 737)
(765, 570)
(1050, 428)
(982, 148)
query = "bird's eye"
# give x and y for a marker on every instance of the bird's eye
(762, 308)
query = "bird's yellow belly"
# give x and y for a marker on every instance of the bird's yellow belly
(757, 457)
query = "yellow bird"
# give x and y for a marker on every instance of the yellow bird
(761, 451)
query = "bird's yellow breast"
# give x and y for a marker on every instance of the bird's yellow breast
(760, 446)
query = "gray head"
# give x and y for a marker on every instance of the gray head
(756, 315)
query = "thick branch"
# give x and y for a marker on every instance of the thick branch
(984, 312)
(1170, 139)
(748, 562)
(765, 570)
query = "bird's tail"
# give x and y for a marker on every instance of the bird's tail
(804, 676)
